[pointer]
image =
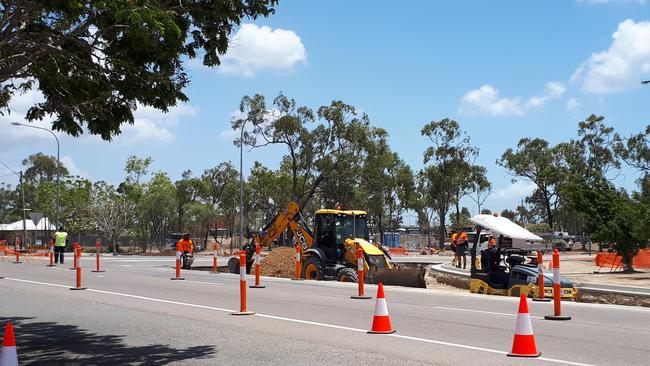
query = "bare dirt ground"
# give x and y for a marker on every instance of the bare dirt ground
(580, 269)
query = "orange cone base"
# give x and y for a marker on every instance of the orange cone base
(50, 265)
(1, 277)
(524, 346)
(297, 279)
(177, 278)
(243, 313)
(97, 271)
(257, 286)
(73, 269)
(14, 262)
(521, 355)
(78, 288)
(544, 299)
(557, 317)
(361, 297)
(382, 331)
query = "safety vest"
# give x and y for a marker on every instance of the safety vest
(185, 245)
(59, 238)
(462, 237)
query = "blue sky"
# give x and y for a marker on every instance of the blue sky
(504, 70)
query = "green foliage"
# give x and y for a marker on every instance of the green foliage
(611, 215)
(536, 161)
(539, 228)
(447, 177)
(95, 61)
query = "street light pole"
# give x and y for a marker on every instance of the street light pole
(22, 193)
(241, 184)
(58, 168)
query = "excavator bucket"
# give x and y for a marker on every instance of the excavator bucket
(407, 277)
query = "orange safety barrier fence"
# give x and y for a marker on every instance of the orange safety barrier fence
(398, 251)
(641, 260)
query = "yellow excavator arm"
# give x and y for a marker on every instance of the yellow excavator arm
(279, 224)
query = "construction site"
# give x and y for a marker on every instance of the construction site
(283, 182)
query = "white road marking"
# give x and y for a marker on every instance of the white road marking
(424, 340)
(205, 283)
(483, 312)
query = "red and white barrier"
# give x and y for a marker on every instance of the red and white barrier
(214, 258)
(98, 248)
(523, 345)
(178, 266)
(52, 256)
(258, 267)
(540, 278)
(381, 319)
(78, 280)
(360, 275)
(17, 261)
(298, 263)
(243, 310)
(9, 354)
(557, 290)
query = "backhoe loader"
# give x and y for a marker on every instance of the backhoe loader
(330, 251)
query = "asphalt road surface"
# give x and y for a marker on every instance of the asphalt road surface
(134, 314)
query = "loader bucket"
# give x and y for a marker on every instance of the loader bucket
(407, 277)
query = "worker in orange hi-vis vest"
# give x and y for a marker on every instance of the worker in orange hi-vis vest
(454, 246)
(461, 249)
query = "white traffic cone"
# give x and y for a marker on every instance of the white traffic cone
(8, 354)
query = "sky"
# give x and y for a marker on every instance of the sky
(504, 70)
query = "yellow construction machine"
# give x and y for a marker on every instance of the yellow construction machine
(329, 252)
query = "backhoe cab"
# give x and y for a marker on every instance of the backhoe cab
(504, 270)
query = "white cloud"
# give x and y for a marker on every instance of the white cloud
(486, 100)
(152, 124)
(623, 65)
(254, 48)
(69, 164)
(515, 190)
(572, 104)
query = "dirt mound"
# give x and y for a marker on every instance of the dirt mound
(280, 262)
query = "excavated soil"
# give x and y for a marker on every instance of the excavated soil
(280, 262)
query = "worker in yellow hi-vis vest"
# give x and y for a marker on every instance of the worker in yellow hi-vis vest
(60, 241)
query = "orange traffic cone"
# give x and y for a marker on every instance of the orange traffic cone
(381, 320)
(550, 264)
(8, 354)
(524, 342)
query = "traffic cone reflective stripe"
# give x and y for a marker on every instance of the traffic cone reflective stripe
(523, 344)
(381, 320)
(8, 354)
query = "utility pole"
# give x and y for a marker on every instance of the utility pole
(22, 188)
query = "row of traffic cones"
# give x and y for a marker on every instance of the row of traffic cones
(523, 344)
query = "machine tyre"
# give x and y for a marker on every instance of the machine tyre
(233, 265)
(347, 275)
(313, 269)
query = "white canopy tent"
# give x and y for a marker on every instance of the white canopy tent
(503, 226)
(43, 224)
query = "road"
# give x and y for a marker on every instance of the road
(134, 314)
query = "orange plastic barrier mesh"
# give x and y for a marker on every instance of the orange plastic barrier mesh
(642, 260)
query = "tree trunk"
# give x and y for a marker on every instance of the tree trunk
(114, 242)
(457, 209)
(627, 263)
(441, 229)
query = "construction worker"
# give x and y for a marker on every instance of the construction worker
(488, 255)
(454, 246)
(60, 241)
(186, 247)
(185, 244)
(463, 245)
